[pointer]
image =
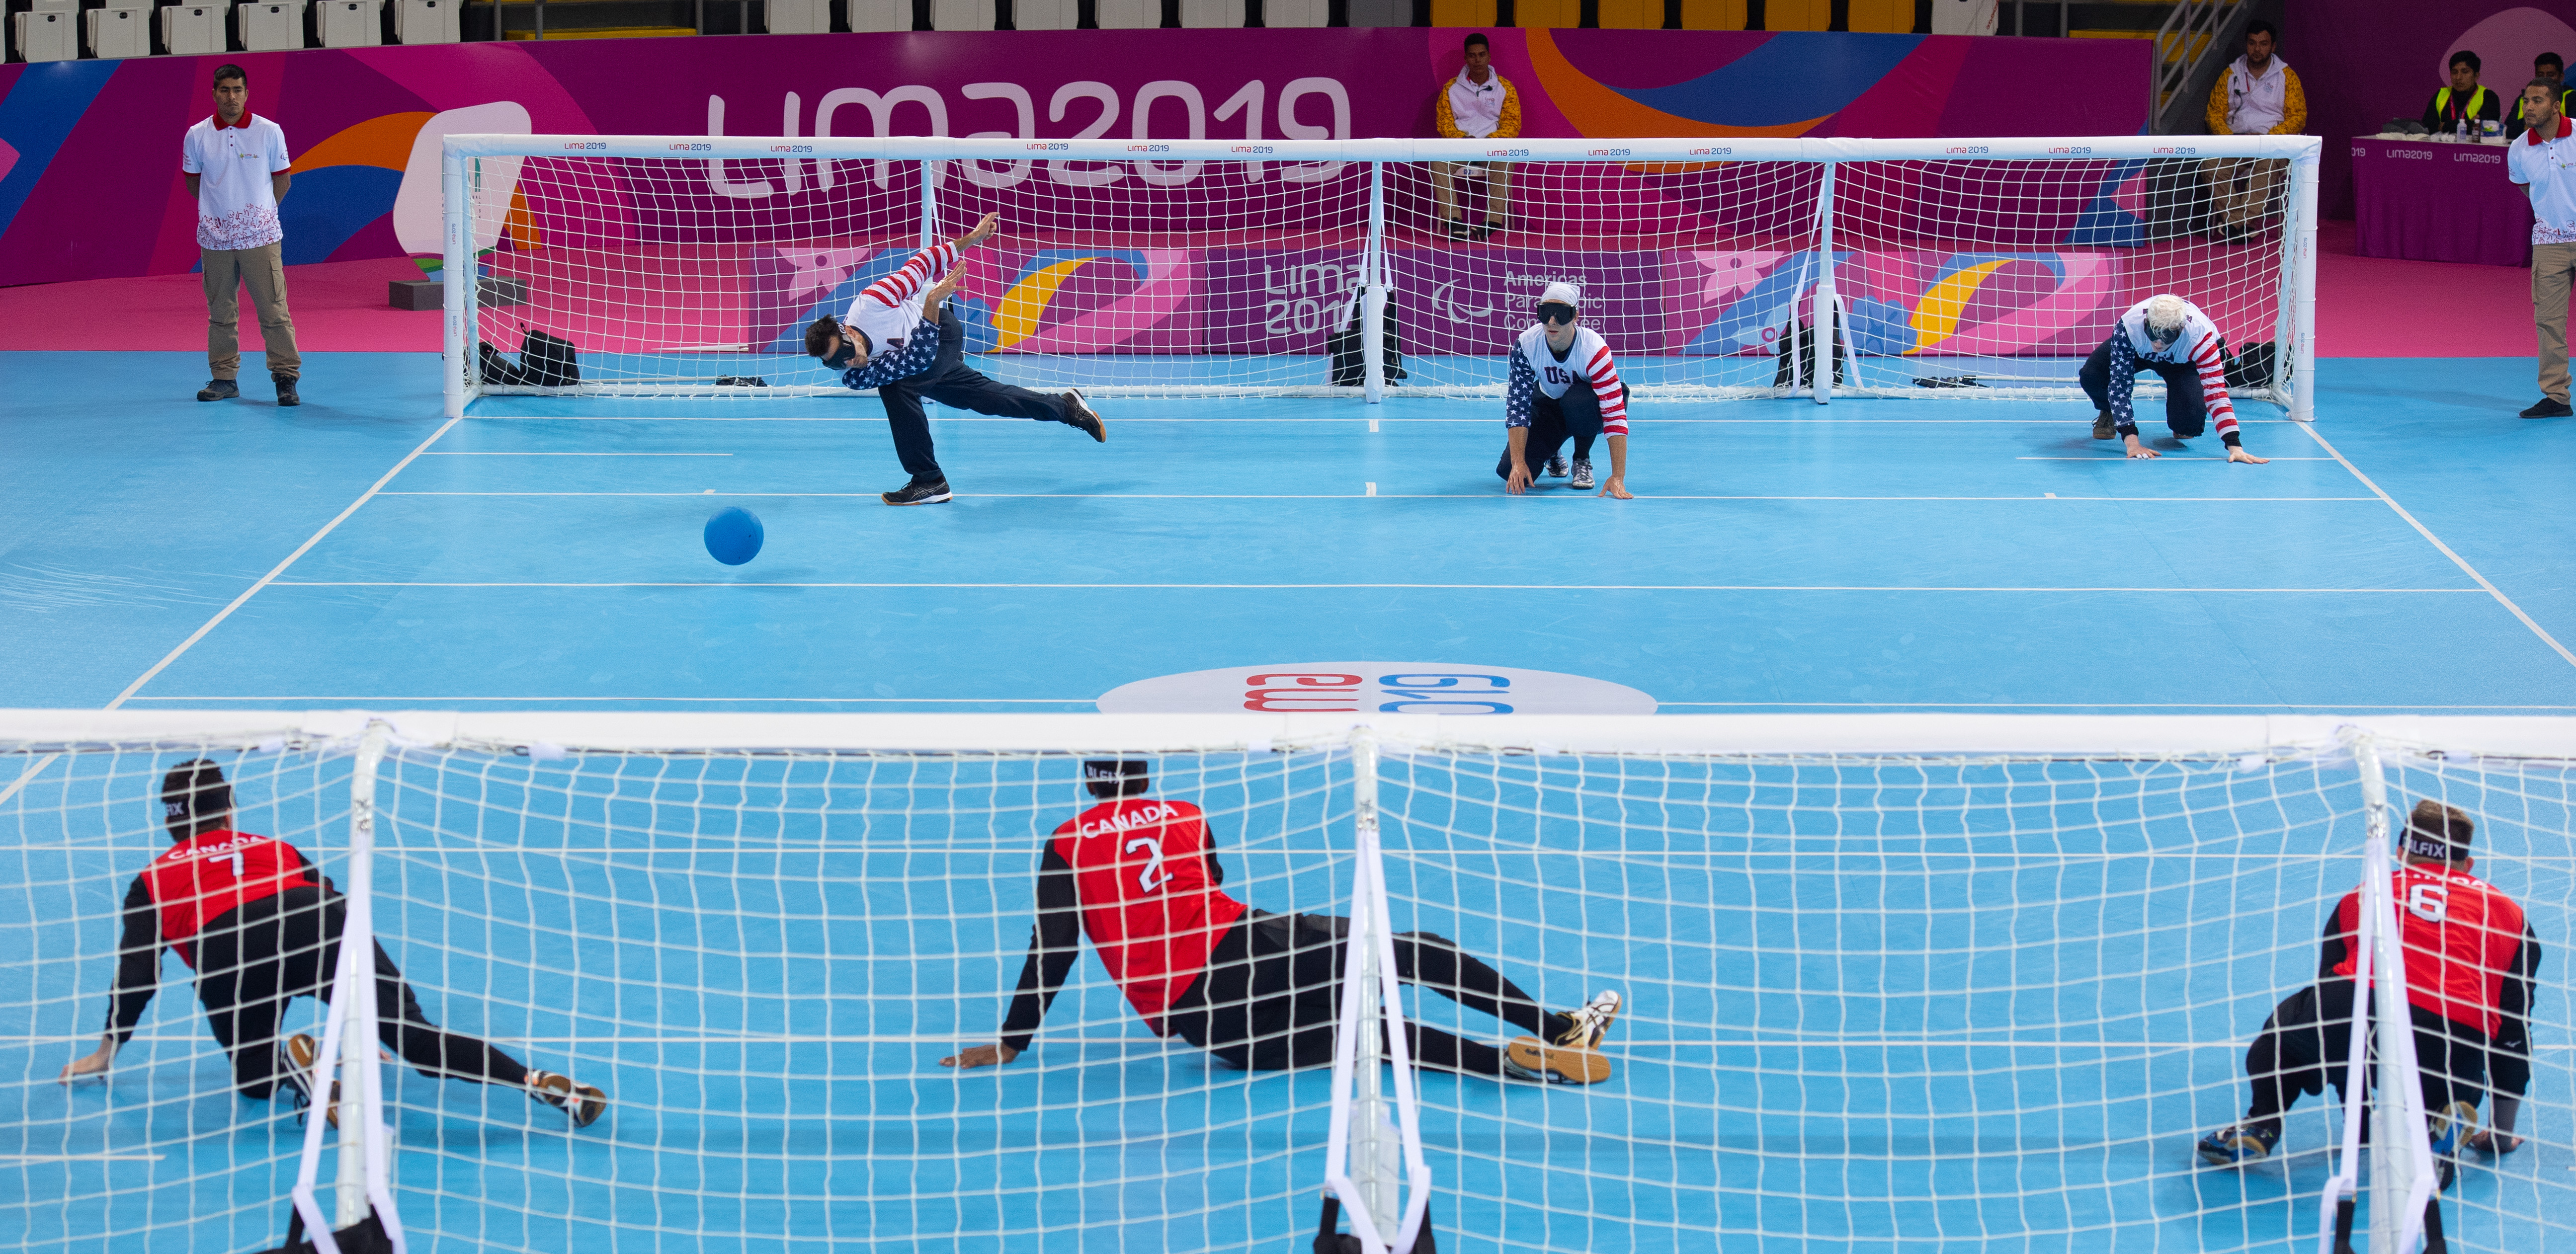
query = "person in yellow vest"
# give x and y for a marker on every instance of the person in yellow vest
(1478, 104)
(2463, 101)
(2551, 67)
(2258, 95)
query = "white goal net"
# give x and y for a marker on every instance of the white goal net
(685, 265)
(1910, 984)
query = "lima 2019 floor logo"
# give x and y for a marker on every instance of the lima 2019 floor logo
(1374, 688)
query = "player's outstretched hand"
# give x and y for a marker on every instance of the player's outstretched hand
(1613, 487)
(983, 231)
(2137, 449)
(2238, 454)
(1519, 480)
(88, 1064)
(980, 1056)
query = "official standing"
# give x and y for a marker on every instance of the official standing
(2539, 162)
(236, 166)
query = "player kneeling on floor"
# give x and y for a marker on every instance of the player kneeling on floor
(1261, 991)
(261, 926)
(900, 339)
(1542, 408)
(2470, 960)
(2169, 336)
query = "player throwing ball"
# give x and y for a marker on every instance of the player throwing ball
(2470, 960)
(2171, 337)
(1543, 407)
(261, 926)
(1261, 991)
(899, 338)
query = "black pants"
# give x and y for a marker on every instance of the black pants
(2306, 1043)
(1576, 415)
(254, 959)
(2186, 413)
(949, 382)
(1272, 993)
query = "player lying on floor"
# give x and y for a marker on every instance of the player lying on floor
(1261, 991)
(261, 926)
(899, 338)
(2169, 336)
(2471, 957)
(1542, 408)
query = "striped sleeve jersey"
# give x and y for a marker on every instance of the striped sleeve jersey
(891, 307)
(2132, 351)
(1538, 371)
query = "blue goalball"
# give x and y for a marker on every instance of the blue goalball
(733, 536)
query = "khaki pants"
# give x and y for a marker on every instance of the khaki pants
(2551, 267)
(2242, 187)
(1498, 190)
(264, 273)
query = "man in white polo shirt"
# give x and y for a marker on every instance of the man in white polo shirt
(2539, 162)
(1478, 104)
(236, 165)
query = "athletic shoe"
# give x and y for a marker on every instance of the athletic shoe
(2447, 1125)
(1583, 474)
(285, 391)
(2546, 408)
(226, 389)
(931, 493)
(2103, 426)
(1480, 235)
(1080, 416)
(2238, 1144)
(302, 1054)
(1575, 1057)
(585, 1103)
(1556, 467)
(1457, 229)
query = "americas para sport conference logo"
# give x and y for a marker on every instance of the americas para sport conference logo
(1374, 688)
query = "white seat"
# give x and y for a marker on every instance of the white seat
(55, 6)
(269, 25)
(880, 15)
(351, 23)
(1045, 14)
(192, 30)
(1311, 13)
(119, 33)
(799, 17)
(1128, 14)
(53, 35)
(961, 14)
(427, 21)
(1374, 13)
(1205, 14)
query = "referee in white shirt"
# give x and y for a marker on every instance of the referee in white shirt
(236, 166)
(2539, 162)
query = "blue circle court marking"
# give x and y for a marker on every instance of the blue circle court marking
(733, 536)
(1374, 688)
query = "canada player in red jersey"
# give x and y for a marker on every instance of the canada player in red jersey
(261, 926)
(2471, 957)
(1261, 991)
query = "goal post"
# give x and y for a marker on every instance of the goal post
(1947, 269)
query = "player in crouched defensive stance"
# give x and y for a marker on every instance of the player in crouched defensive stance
(2471, 958)
(1261, 991)
(900, 338)
(2169, 336)
(261, 925)
(1542, 407)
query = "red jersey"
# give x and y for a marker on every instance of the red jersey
(2461, 936)
(201, 877)
(1140, 869)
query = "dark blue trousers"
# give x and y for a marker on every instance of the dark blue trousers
(950, 382)
(1553, 420)
(2185, 412)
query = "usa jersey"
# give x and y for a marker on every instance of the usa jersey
(890, 308)
(1140, 871)
(199, 879)
(2461, 938)
(1536, 370)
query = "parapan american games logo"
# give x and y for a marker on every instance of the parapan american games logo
(1374, 688)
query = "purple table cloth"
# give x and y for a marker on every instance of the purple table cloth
(2424, 201)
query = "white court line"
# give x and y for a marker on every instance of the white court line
(763, 700)
(1305, 419)
(1327, 587)
(2456, 559)
(81, 1158)
(1997, 705)
(2169, 457)
(576, 454)
(1405, 496)
(279, 569)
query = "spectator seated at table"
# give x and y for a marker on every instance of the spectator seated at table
(2463, 100)
(2259, 94)
(2550, 67)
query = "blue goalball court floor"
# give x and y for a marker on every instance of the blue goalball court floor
(2407, 553)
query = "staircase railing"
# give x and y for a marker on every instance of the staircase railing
(2193, 32)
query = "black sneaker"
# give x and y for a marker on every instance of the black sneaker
(2546, 408)
(2103, 427)
(285, 391)
(1556, 467)
(1079, 415)
(930, 493)
(1457, 229)
(1480, 235)
(221, 390)
(2238, 1144)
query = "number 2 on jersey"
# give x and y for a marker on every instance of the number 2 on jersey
(1153, 876)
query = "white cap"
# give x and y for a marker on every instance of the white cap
(1562, 294)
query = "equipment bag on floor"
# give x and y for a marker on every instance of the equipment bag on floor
(1350, 367)
(545, 361)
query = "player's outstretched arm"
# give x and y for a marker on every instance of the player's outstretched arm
(1054, 942)
(138, 972)
(983, 231)
(1618, 484)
